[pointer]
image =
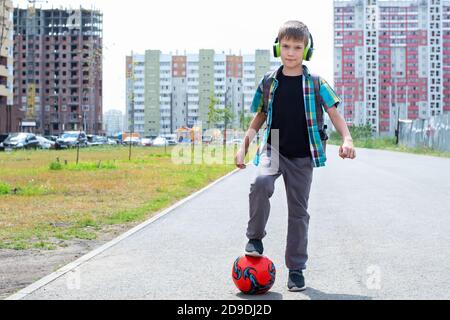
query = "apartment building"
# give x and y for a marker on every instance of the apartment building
(113, 122)
(391, 60)
(8, 116)
(58, 69)
(166, 92)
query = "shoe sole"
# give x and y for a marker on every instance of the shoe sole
(296, 289)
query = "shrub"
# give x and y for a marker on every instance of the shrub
(55, 166)
(4, 188)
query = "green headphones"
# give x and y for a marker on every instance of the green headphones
(307, 55)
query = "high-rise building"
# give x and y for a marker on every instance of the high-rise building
(58, 69)
(8, 115)
(391, 60)
(254, 68)
(179, 111)
(166, 92)
(113, 122)
(234, 95)
(135, 77)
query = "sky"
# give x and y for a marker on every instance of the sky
(170, 25)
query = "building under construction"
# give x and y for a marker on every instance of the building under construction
(58, 70)
(7, 119)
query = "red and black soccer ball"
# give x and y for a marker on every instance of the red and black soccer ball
(253, 275)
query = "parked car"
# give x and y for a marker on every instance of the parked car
(96, 140)
(45, 143)
(207, 139)
(71, 139)
(51, 138)
(171, 142)
(2, 138)
(21, 141)
(133, 140)
(146, 142)
(160, 142)
(111, 142)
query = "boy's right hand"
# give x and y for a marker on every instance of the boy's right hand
(239, 160)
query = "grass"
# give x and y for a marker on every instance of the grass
(4, 188)
(29, 190)
(87, 166)
(388, 144)
(56, 166)
(47, 200)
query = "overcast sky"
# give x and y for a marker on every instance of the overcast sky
(170, 25)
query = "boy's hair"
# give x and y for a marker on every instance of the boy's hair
(294, 30)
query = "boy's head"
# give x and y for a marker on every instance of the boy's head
(294, 40)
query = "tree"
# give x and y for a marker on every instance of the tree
(213, 113)
(226, 116)
(361, 132)
(244, 120)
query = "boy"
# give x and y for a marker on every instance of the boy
(291, 146)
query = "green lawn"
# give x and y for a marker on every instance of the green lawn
(46, 199)
(389, 144)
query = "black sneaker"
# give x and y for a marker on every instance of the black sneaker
(254, 248)
(296, 281)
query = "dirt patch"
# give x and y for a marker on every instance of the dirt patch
(19, 269)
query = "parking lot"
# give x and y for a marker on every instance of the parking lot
(75, 139)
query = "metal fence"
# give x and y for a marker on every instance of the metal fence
(432, 133)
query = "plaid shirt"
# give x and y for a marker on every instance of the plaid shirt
(330, 100)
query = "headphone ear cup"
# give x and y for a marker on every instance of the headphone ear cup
(310, 48)
(311, 52)
(276, 50)
(308, 54)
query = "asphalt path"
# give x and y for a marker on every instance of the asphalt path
(380, 229)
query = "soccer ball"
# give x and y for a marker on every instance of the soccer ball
(253, 275)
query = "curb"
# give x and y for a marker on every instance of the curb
(71, 266)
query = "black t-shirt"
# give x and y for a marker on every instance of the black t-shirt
(288, 115)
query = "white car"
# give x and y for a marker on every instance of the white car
(133, 140)
(111, 142)
(45, 143)
(160, 142)
(146, 142)
(172, 142)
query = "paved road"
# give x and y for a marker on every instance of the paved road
(380, 229)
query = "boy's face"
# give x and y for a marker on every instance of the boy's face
(292, 52)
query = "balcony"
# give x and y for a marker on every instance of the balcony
(74, 117)
(54, 118)
(4, 71)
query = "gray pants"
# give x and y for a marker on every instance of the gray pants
(297, 175)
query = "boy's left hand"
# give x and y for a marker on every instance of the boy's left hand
(347, 150)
